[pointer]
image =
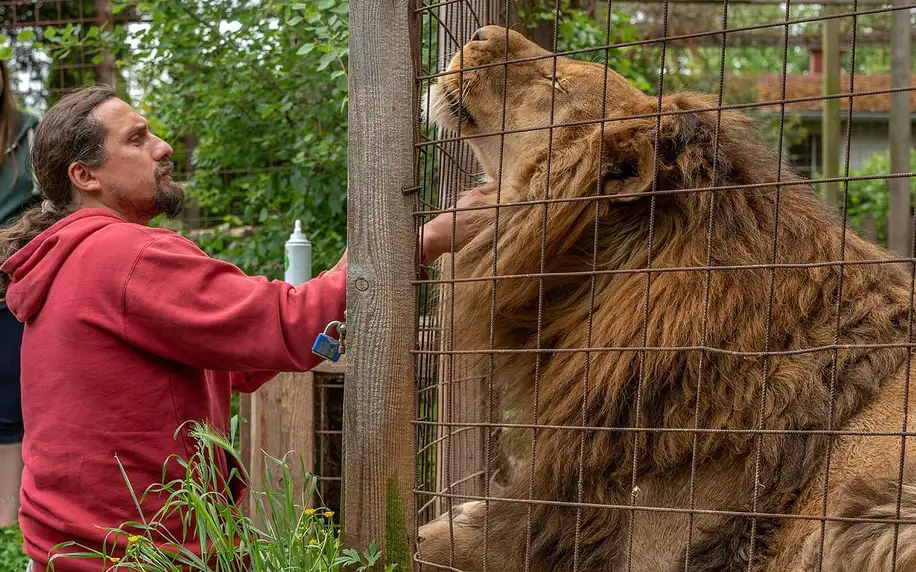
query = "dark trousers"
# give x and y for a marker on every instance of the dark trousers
(11, 430)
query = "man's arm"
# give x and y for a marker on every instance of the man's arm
(447, 232)
(184, 306)
(180, 304)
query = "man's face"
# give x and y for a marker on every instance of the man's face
(135, 178)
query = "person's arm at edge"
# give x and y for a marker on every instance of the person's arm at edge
(437, 237)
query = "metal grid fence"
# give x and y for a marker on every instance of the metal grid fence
(664, 353)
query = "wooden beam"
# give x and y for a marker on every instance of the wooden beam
(758, 39)
(246, 432)
(900, 223)
(105, 71)
(830, 121)
(849, 3)
(379, 466)
(281, 423)
(460, 451)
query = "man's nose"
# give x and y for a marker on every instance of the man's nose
(163, 150)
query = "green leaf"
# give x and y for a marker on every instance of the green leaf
(305, 49)
(6, 53)
(25, 35)
(326, 60)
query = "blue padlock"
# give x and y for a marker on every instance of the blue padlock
(326, 346)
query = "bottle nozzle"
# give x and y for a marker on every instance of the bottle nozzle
(297, 235)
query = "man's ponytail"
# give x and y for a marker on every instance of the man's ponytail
(30, 224)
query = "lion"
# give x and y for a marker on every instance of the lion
(704, 416)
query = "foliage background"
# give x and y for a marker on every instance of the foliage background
(11, 556)
(252, 95)
(266, 101)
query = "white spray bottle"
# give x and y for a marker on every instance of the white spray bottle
(297, 260)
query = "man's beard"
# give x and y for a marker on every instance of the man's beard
(169, 193)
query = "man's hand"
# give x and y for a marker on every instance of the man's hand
(437, 233)
(341, 264)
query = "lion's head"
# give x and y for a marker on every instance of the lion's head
(612, 126)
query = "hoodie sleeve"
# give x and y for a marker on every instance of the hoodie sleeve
(182, 305)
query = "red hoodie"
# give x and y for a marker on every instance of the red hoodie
(130, 332)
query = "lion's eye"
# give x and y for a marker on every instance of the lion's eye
(557, 84)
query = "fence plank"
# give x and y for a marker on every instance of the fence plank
(379, 461)
(870, 228)
(297, 402)
(900, 223)
(245, 435)
(830, 119)
(462, 389)
(281, 421)
(105, 71)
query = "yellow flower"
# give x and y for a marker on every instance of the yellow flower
(313, 542)
(114, 559)
(309, 511)
(328, 514)
(131, 539)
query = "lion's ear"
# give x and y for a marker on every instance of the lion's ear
(673, 147)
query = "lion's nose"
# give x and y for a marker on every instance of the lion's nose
(478, 35)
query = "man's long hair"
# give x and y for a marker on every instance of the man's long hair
(68, 133)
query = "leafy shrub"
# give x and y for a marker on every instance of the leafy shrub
(293, 536)
(869, 199)
(11, 555)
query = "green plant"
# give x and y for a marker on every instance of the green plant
(579, 32)
(293, 536)
(11, 555)
(869, 198)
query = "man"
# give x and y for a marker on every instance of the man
(130, 330)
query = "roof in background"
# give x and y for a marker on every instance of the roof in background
(768, 87)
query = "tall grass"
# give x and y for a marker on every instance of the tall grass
(292, 537)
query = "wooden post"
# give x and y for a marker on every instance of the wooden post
(281, 417)
(900, 218)
(461, 393)
(870, 228)
(831, 110)
(105, 70)
(379, 401)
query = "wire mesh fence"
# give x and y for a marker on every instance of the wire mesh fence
(663, 351)
(679, 342)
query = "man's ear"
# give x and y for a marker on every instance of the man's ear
(83, 178)
(678, 146)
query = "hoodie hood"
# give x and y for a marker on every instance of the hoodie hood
(33, 268)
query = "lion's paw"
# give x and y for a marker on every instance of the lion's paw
(461, 516)
(457, 545)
